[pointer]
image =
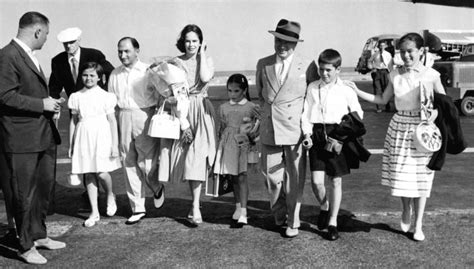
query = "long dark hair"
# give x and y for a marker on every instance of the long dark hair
(242, 81)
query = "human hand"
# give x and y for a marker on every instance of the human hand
(114, 152)
(51, 104)
(187, 136)
(350, 84)
(70, 152)
(257, 112)
(203, 47)
(307, 142)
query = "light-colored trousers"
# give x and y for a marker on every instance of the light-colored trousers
(139, 155)
(284, 168)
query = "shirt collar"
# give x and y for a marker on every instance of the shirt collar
(22, 44)
(289, 59)
(241, 102)
(77, 55)
(417, 68)
(139, 66)
(322, 84)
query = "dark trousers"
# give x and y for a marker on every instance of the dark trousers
(6, 189)
(380, 80)
(30, 177)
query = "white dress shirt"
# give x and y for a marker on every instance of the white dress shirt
(328, 103)
(130, 87)
(29, 52)
(285, 64)
(376, 60)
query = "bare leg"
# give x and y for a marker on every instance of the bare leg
(420, 204)
(92, 192)
(195, 187)
(319, 190)
(335, 196)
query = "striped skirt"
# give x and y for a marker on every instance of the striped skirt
(404, 169)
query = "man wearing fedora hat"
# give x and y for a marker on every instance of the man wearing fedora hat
(281, 81)
(65, 66)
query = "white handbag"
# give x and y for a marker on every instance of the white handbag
(427, 137)
(164, 125)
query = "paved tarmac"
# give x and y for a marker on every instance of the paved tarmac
(369, 222)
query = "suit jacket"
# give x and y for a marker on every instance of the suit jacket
(449, 125)
(61, 76)
(283, 104)
(24, 126)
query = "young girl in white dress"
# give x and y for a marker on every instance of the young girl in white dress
(93, 138)
(404, 168)
(232, 158)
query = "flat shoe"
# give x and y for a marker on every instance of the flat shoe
(91, 221)
(135, 218)
(419, 236)
(291, 232)
(242, 220)
(405, 227)
(159, 198)
(111, 208)
(236, 214)
(32, 256)
(333, 234)
(49, 243)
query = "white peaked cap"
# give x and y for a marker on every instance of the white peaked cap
(69, 34)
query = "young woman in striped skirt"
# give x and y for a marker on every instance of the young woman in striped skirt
(404, 168)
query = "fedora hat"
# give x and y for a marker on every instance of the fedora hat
(287, 30)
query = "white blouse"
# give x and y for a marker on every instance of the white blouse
(328, 103)
(406, 85)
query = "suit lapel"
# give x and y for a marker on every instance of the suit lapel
(29, 62)
(271, 75)
(293, 72)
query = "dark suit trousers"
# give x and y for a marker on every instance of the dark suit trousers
(6, 188)
(380, 80)
(31, 177)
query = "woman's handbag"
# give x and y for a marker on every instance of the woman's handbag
(427, 137)
(164, 125)
(217, 185)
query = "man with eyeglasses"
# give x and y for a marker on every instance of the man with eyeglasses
(281, 81)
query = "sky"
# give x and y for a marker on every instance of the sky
(236, 31)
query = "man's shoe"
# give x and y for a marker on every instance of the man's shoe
(323, 219)
(291, 232)
(135, 218)
(332, 233)
(49, 243)
(32, 256)
(159, 198)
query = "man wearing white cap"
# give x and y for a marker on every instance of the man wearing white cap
(281, 81)
(136, 102)
(65, 66)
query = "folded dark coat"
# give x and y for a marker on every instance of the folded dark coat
(449, 124)
(350, 131)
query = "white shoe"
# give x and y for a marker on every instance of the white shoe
(159, 198)
(111, 207)
(91, 221)
(135, 218)
(405, 227)
(419, 236)
(291, 232)
(49, 243)
(32, 256)
(242, 220)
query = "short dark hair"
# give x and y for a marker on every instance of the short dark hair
(242, 81)
(92, 65)
(188, 28)
(330, 56)
(415, 37)
(31, 18)
(132, 40)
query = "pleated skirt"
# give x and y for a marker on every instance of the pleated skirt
(404, 168)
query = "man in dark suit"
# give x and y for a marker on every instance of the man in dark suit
(65, 66)
(29, 136)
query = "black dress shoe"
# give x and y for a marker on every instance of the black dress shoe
(323, 219)
(332, 233)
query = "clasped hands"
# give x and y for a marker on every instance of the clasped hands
(52, 105)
